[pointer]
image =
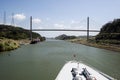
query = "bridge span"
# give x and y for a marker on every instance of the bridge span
(87, 29)
(65, 30)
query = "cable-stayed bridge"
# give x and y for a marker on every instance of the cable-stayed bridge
(76, 30)
(65, 30)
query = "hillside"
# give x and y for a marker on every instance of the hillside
(65, 37)
(108, 37)
(16, 33)
(110, 31)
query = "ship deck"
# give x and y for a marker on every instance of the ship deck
(66, 74)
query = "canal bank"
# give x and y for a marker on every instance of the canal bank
(8, 44)
(43, 61)
(92, 43)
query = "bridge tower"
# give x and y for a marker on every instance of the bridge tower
(87, 28)
(31, 28)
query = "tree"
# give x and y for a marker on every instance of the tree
(110, 30)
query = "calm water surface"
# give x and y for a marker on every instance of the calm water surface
(44, 60)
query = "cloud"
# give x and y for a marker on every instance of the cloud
(59, 26)
(19, 16)
(77, 25)
(37, 21)
(74, 22)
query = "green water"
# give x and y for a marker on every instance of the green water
(44, 60)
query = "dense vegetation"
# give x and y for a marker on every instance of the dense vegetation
(17, 33)
(10, 37)
(8, 44)
(65, 37)
(110, 32)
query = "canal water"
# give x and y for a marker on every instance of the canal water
(44, 60)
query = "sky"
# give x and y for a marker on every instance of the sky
(60, 14)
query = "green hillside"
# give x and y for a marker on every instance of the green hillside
(16, 33)
(110, 30)
(11, 37)
(65, 37)
(110, 33)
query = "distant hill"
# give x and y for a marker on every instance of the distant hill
(65, 37)
(110, 31)
(16, 33)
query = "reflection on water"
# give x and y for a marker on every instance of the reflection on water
(43, 61)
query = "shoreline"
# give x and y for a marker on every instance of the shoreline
(10, 44)
(111, 47)
(23, 41)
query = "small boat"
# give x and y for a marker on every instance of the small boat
(74, 70)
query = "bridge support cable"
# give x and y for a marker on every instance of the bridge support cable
(12, 21)
(4, 20)
(75, 30)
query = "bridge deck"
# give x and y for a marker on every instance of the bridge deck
(65, 30)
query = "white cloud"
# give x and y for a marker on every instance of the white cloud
(37, 21)
(74, 22)
(19, 16)
(77, 25)
(59, 26)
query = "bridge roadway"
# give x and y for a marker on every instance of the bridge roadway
(65, 30)
(54, 30)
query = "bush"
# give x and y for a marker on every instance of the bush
(8, 44)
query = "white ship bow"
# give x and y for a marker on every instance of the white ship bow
(74, 70)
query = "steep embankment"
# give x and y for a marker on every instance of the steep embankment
(11, 37)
